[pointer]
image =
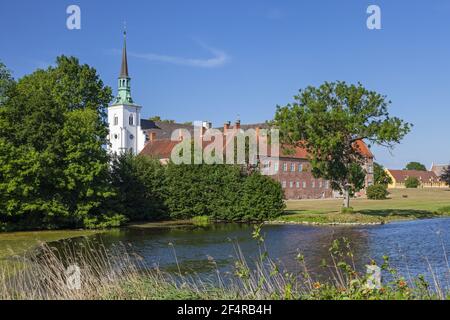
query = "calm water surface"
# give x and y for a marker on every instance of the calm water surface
(412, 246)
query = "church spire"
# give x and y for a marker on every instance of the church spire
(124, 67)
(124, 92)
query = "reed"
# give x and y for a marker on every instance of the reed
(119, 274)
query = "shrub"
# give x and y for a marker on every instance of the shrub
(377, 192)
(347, 210)
(412, 183)
(222, 192)
(202, 190)
(262, 198)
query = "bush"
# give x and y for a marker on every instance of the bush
(412, 183)
(262, 198)
(222, 192)
(377, 192)
(202, 190)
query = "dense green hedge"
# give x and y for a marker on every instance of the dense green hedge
(139, 185)
(377, 192)
(146, 190)
(222, 192)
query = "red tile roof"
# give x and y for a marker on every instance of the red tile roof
(364, 149)
(302, 153)
(162, 149)
(402, 175)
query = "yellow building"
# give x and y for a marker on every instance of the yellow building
(428, 179)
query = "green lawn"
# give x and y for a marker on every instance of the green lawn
(13, 244)
(403, 204)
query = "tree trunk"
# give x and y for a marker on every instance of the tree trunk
(346, 198)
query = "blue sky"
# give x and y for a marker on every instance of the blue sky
(217, 60)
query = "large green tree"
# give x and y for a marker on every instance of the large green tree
(53, 164)
(330, 120)
(415, 166)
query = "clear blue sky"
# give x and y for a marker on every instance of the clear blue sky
(215, 60)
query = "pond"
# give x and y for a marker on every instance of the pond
(412, 246)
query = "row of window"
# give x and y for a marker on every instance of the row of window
(298, 184)
(130, 120)
(292, 167)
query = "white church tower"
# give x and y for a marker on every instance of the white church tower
(124, 116)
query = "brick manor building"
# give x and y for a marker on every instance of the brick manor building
(292, 170)
(128, 132)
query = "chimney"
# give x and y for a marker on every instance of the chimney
(206, 124)
(203, 131)
(226, 127)
(152, 136)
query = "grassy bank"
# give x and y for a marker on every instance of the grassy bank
(15, 244)
(403, 204)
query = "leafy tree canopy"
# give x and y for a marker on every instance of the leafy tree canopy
(415, 166)
(380, 175)
(53, 164)
(328, 121)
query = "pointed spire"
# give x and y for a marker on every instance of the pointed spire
(124, 87)
(124, 67)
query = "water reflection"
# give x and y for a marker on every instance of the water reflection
(412, 246)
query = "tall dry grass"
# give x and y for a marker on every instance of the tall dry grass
(116, 273)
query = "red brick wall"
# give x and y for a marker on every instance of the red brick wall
(300, 184)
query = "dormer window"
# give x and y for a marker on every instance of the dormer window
(131, 120)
